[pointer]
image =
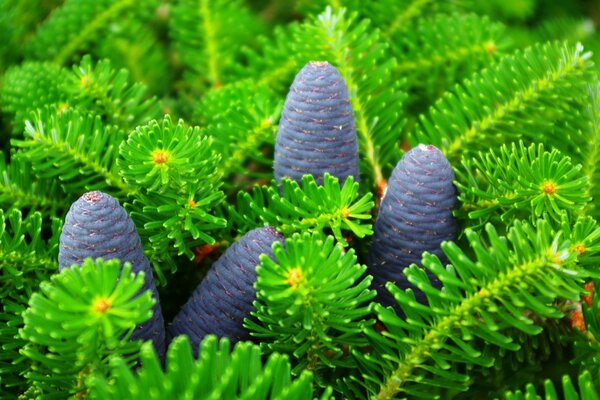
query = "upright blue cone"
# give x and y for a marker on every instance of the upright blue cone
(317, 133)
(415, 216)
(96, 226)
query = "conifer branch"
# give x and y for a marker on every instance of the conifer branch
(401, 19)
(26, 258)
(73, 25)
(55, 147)
(527, 270)
(311, 303)
(240, 118)
(209, 35)
(585, 387)
(219, 373)
(20, 189)
(468, 38)
(521, 182)
(513, 87)
(90, 29)
(305, 208)
(591, 161)
(80, 317)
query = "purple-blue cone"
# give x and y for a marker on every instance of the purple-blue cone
(96, 226)
(415, 216)
(317, 132)
(224, 297)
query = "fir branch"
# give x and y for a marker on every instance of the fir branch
(587, 340)
(74, 24)
(219, 373)
(29, 86)
(439, 51)
(526, 271)
(105, 91)
(586, 388)
(520, 182)
(78, 318)
(277, 59)
(91, 28)
(79, 150)
(466, 38)
(174, 180)
(26, 258)
(208, 35)
(241, 118)
(305, 207)
(584, 236)
(509, 98)
(505, 9)
(132, 45)
(19, 188)
(407, 12)
(568, 29)
(591, 161)
(311, 303)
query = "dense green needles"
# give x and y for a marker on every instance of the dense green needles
(471, 274)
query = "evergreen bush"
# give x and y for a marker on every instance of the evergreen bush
(216, 171)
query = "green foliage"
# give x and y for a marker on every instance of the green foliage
(219, 373)
(586, 389)
(174, 183)
(26, 258)
(587, 342)
(242, 119)
(584, 236)
(591, 158)
(157, 156)
(508, 89)
(305, 207)
(444, 49)
(507, 102)
(207, 34)
(75, 24)
(93, 87)
(30, 86)
(509, 283)
(520, 182)
(20, 188)
(74, 147)
(129, 45)
(77, 319)
(311, 303)
(107, 92)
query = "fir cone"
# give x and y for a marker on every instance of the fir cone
(97, 226)
(415, 216)
(224, 297)
(317, 133)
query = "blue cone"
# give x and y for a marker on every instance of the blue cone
(224, 297)
(317, 132)
(415, 216)
(96, 226)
